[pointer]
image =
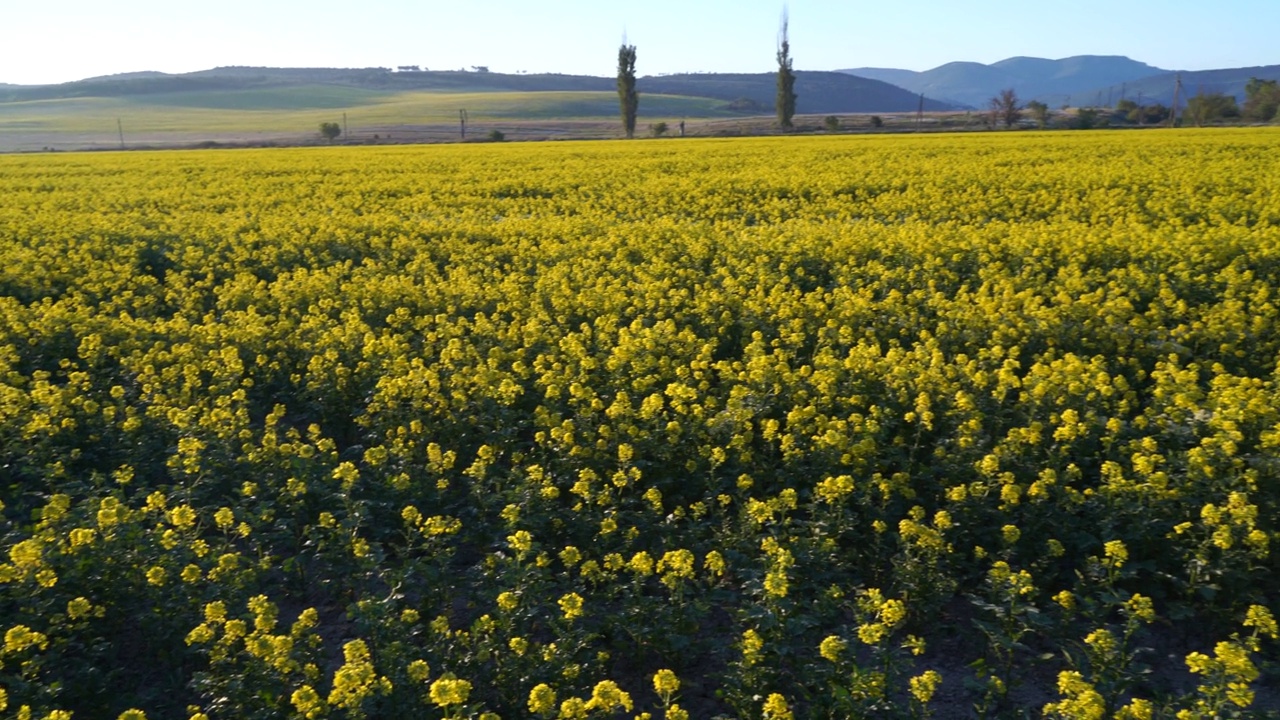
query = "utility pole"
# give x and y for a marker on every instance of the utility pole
(120, 129)
(462, 120)
(1177, 86)
(920, 113)
(345, 135)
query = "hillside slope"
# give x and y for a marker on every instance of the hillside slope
(819, 92)
(1159, 88)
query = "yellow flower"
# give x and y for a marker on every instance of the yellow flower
(1116, 552)
(1081, 701)
(573, 709)
(1260, 617)
(110, 512)
(200, 634)
(440, 525)
(925, 685)
(307, 702)
(831, 647)
(1137, 710)
(21, 637)
(360, 547)
(1141, 607)
(606, 696)
(79, 608)
(1011, 494)
(641, 564)
(347, 474)
(27, 554)
(132, 714)
(570, 556)
(521, 542)
(182, 517)
(665, 683)
(871, 633)
(418, 671)
(676, 565)
(571, 605)
(776, 708)
(225, 517)
(893, 612)
(355, 679)
(714, 563)
(80, 537)
(834, 489)
(654, 496)
(775, 584)
(752, 644)
(307, 619)
(1010, 533)
(915, 644)
(1102, 641)
(157, 575)
(942, 520)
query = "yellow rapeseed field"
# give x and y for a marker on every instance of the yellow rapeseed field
(767, 428)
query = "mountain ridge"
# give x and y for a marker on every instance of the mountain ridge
(973, 84)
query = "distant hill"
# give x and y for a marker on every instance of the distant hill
(819, 92)
(1159, 88)
(973, 84)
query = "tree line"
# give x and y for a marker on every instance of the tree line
(629, 99)
(1262, 104)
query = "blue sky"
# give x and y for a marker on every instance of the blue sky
(61, 40)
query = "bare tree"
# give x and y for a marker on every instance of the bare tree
(1004, 108)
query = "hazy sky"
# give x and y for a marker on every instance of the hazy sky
(60, 40)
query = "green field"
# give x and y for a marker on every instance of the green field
(293, 113)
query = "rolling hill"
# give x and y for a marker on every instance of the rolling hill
(819, 92)
(285, 105)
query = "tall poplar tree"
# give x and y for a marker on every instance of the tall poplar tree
(786, 102)
(628, 99)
